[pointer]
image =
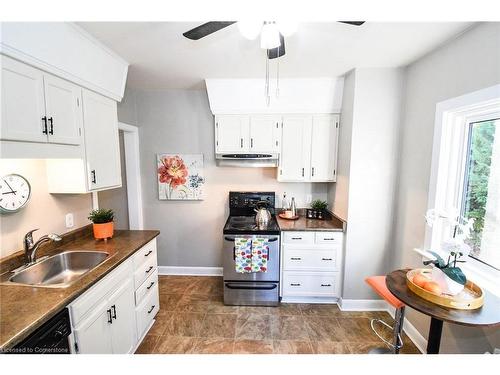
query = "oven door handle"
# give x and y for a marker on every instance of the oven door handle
(242, 286)
(269, 240)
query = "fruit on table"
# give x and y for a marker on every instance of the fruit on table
(420, 280)
(432, 287)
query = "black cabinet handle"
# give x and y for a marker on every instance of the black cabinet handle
(92, 172)
(44, 130)
(296, 258)
(294, 284)
(110, 317)
(328, 239)
(302, 172)
(114, 311)
(149, 269)
(149, 252)
(150, 285)
(151, 309)
(296, 238)
(326, 284)
(251, 142)
(312, 171)
(51, 122)
(326, 259)
(241, 142)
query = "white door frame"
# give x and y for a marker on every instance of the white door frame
(133, 172)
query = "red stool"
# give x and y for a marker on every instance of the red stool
(379, 286)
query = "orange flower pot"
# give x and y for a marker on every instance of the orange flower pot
(103, 231)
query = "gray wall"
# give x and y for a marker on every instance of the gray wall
(180, 121)
(468, 63)
(116, 199)
(367, 173)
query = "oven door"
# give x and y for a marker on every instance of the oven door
(273, 262)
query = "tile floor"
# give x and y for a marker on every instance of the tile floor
(193, 319)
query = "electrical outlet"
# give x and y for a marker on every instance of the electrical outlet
(309, 198)
(69, 220)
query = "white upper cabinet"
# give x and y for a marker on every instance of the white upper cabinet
(64, 116)
(264, 133)
(38, 107)
(231, 133)
(242, 134)
(295, 148)
(101, 141)
(324, 147)
(23, 106)
(99, 169)
(308, 148)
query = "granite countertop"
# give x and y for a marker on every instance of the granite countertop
(333, 224)
(23, 308)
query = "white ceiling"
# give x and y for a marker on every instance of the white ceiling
(160, 57)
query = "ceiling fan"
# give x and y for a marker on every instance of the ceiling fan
(272, 33)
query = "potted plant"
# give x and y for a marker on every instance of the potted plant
(317, 210)
(102, 220)
(450, 278)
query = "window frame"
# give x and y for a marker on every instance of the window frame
(449, 158)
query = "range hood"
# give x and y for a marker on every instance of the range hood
(247, 160)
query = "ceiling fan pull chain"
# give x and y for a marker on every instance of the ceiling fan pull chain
(268, 98)
(278, 74)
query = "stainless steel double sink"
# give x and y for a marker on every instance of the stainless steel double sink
(61, 270)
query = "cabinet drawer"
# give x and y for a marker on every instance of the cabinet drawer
(145, 253)
(96, 293)
(147, 310)
(311, 260)
(144, 271)
(321, 284)
(146, 287)
(299, 237)
(333, 238)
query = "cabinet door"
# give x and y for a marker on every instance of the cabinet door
(264, 131)
(64, 114)
(232, 134)
(23, 106)
(324, 147)
(123, 329)
(93, 335)
(101, 141)
(295, 148)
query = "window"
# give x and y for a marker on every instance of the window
(481, 190)
(465, 180)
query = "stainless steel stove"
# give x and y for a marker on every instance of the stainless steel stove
(260, 288)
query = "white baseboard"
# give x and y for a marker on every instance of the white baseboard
(322, 300)
(380, 305)
(190, 271)
(362, 305)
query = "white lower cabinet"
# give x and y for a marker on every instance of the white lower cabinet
(312, 265)
(113, 316)
(147, 298)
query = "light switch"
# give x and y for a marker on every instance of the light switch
(69, 220)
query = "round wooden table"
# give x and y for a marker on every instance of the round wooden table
(487, 315)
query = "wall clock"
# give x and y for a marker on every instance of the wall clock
(15, 192)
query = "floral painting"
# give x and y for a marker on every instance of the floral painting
(180, 176)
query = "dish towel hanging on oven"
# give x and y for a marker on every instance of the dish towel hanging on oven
(260, 254)
(243, 255)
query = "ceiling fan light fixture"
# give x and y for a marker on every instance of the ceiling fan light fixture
(270, 36)
(250, 29)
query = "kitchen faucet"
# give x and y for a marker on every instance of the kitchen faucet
(31, 247)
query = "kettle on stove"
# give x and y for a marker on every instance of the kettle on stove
(262, 214)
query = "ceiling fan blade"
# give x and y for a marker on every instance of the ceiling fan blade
(353, 23)
(278, 51)
(206, 29)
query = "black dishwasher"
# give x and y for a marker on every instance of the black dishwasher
(51, 338)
